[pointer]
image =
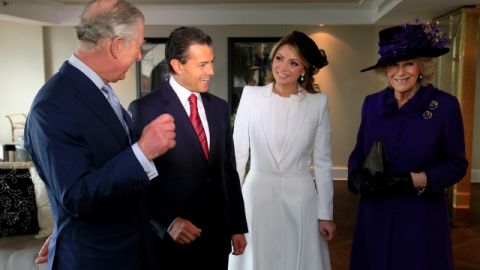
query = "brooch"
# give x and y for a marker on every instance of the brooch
(432, 106)
(427, 115)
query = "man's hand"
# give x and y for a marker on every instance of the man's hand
(327, 228)
(158, 136)
(43, 253)
(238, 243)
(183, 231)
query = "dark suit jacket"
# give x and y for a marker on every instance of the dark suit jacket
(206, 192)
(91, 174)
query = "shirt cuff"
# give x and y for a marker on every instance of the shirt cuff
(148, 165)
(171, 224)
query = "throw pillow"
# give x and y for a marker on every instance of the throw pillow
(18, 210)
(45, 220)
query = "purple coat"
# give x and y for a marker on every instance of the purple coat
(409, 231)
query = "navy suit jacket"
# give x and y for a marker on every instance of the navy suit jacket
(93, 179)
(206, 192)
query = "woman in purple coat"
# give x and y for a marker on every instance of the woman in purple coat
(409, 149)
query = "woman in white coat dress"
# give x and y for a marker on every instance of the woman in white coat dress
(285, 129)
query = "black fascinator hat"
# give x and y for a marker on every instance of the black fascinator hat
(408, 41)
(315, 56)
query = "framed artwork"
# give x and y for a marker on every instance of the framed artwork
(153, 69)
(248, 64)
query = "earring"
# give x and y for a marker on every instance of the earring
(302, 78)
(420, 77)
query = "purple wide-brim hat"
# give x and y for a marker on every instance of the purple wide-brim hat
(408, 41)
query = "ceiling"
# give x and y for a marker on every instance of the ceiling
(243, 12)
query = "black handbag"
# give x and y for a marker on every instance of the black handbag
(368, 180)
(376, 160)
(375, 182)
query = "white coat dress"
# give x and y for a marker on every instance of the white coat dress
(285, 137)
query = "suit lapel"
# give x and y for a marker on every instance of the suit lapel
(296, 119)
(91, 96)
(213, 123)
(266, 108)
(175, 108)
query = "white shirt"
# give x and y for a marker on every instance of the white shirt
(183, 94)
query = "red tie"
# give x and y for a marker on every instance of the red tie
(197, 123)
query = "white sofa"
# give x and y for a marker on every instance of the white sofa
(18, 252)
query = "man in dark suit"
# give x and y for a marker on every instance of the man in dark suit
(80, 140)
(196, 204)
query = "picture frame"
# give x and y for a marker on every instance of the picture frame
(153, 69)
(248, 63)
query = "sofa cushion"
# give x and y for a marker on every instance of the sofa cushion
(44, 212)
(19, 253)
(18, 210)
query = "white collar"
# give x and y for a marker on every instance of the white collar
(182, 92)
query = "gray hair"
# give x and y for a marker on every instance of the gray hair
(427, 67)
(118, 20)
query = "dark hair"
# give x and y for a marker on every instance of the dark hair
(120, 20)
(312, 57)
(179, 42)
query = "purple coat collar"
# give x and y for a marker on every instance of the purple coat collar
(418, 104)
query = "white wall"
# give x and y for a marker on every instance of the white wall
(348, 48)
(21, 70)
(476, 128)
(341, 80)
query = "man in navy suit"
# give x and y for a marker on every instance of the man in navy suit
(83, 145)
(196, 204)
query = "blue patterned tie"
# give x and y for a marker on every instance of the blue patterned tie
(117, 107)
